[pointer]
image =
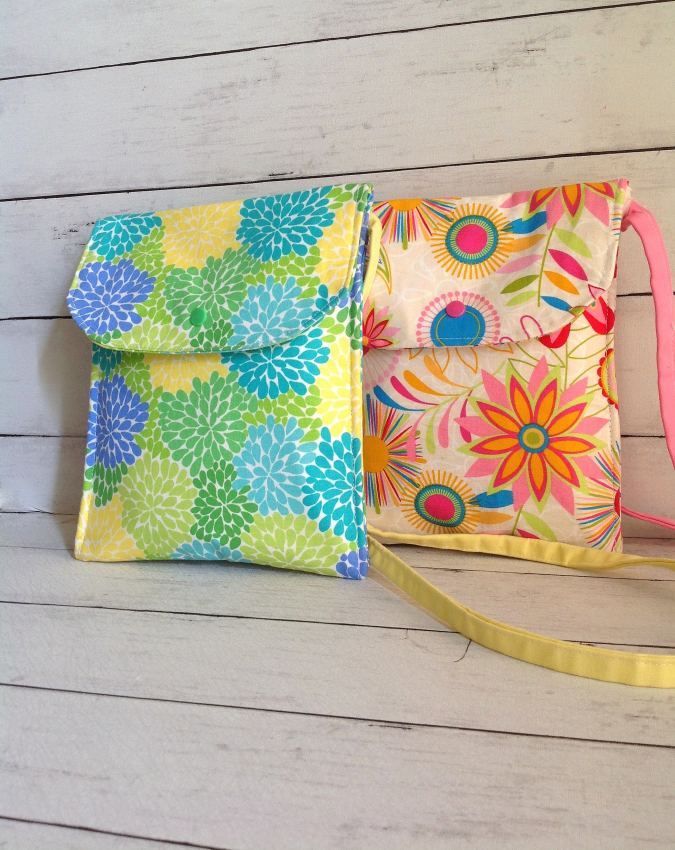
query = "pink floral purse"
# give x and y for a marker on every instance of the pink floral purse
(490, 402)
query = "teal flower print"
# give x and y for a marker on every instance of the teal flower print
(272, 465)
(201, 550)
(334, 487)
(220, 511)
(107, 295)
(273, 371)
(203, 300)
(205, 425)
(272, 310)
(117, 234)
(107, 359)
(274, 226)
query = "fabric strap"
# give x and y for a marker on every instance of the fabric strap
(609, 665)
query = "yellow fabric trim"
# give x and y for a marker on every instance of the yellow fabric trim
(608, 665)
(374, 240)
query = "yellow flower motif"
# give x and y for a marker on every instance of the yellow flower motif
(100, 535)
(173, 372)
(193, 234)
(334, 386)
(336, 246)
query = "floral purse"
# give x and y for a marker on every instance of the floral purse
(490, 400)
(225, 402)
(230, 420)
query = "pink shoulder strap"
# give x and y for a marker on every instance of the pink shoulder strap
(647, 229)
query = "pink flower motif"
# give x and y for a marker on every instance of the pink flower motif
(532, 436)
(374, 328)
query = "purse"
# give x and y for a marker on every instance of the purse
(227, 401)
(491, 406)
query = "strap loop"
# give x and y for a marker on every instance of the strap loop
(608, 665)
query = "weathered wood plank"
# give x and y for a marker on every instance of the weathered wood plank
(248, 779)
(324, 669)
(144, 31)
(45, 365)
(37, 530)
(46, 237)
(16, 835)
(45, 474)
(214, 118)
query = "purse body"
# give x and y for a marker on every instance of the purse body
(490, 396)
(225, 404)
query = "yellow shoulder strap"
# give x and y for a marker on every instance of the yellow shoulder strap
(609, 665)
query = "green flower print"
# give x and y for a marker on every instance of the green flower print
(202, 300)
(293, 542)
(150, 439)
(205, 425)
(302, 269)
(220, 511)
(340, 195)
(303, 408)
(156, 332)
(157, 497)
(105, 482)
(148, 255)
(136, 374)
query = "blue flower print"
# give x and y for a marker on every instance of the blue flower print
(272, 310)
(106, 359)
(90, 458)
(117, 234)
(353, 564)
(272, 464)
(199, 550)
(274, 226)
(334, 486)
(107, 296)
(273, 371)
(121, 417)
(356, 292)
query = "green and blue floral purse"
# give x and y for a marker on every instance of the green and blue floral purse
(225, 404)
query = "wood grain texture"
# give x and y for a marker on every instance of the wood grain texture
(46, 237)
(329, 670)
(45, 474)
(108, 33)
(323, 783)
(394, 101)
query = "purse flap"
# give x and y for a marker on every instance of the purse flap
(233, 276)
(489, 270)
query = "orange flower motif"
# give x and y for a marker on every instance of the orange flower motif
(532, 436)
(572, 199)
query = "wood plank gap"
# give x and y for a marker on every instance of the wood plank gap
(370, 721)
(288, 175)
(67, 316)
(95, 831)
(326, 39)
(253, 617)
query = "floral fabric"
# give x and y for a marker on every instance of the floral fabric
(225, 404)
(490, 392)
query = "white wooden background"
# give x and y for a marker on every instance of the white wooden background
(192, 705)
